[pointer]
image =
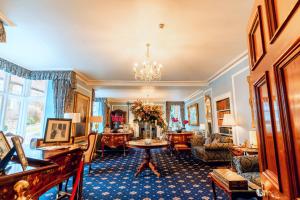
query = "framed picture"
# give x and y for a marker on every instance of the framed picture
(193, 115)
(208, 113)
(58, 130)
(4, 146)
(20, 152)
(82, 105)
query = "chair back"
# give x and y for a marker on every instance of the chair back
(89, 153)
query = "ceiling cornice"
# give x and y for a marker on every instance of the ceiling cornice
(194, 94)
(233, 63)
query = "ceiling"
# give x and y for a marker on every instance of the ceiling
(102, 39)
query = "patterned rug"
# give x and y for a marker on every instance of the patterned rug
(182, 177)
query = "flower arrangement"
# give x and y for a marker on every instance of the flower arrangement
(148, 113)
(116, 118)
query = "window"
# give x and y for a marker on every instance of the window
(98, 111)
(175, 113)
(22, 104)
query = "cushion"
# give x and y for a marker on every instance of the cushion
(215, 141)
(207, 140)
(217, 146)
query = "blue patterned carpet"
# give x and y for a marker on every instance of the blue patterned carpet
(182, 177)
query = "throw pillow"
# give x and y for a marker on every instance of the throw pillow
(216, 140)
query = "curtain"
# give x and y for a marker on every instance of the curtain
(2, 32)
(101, 109)
(168, 109)
(63, 84)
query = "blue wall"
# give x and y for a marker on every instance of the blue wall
(233, 84)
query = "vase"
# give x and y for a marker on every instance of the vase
(179, 130)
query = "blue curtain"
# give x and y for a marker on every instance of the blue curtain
(100, 108)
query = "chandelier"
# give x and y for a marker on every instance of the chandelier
(148, 70)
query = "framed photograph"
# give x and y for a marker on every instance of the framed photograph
(58, 130)
(20, 152)
(82, 105)
(4, 146)
(193, 115)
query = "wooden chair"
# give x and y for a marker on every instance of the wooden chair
(89, 153)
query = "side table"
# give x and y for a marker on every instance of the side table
(233, 194)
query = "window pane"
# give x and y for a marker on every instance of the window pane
(16, 85)
(38, 88)
(2, 75)
(12, 115)
(35, 112)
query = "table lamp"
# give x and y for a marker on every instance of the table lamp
(228, 121)
(253, 138)
(96, 120)
(75, 119)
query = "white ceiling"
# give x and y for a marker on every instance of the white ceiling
(102, 39)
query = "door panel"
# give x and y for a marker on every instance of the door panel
(287, 71)
(278, 13)
(267, 135)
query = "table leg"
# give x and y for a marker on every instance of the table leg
(214, 189)
(147, 163)
(102, 148)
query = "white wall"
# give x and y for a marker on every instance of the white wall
(232, 83)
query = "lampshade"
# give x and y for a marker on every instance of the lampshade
(228, 120)
(96, 119)
(202, 126)
(74, 116)
(253, 138)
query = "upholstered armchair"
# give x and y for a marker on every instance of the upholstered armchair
(212, 152)
(248, 167)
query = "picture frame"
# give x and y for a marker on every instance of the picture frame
(208, 113)
(193, 115)
(58, 130)
(4, 146)
(20, 152)
(82, 105)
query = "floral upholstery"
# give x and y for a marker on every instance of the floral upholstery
(248, 167)
(218, 152)
(198, 140)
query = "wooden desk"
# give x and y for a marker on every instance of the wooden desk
(114, 140)
(233, 194)
(46, 169)
(179, 141)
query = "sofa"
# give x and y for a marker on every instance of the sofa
(248, 167)
(212, 149)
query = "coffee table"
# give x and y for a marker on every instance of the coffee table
(147, 159)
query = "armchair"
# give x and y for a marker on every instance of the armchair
(248, 167)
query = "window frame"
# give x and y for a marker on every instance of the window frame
(25, 100)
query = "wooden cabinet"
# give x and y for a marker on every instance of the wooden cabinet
(274, 49)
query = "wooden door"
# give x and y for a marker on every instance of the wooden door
(274, 54)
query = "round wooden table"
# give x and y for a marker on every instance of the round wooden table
(147, 159)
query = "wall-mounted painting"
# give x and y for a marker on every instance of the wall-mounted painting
(208, 114)
(193, 115)
(82, 105)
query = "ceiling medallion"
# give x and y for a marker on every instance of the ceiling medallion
(147, 71)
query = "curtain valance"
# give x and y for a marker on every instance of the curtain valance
(17, 70)
(2, 32)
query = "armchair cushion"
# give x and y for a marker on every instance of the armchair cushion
(244, 164)
(217, 146)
